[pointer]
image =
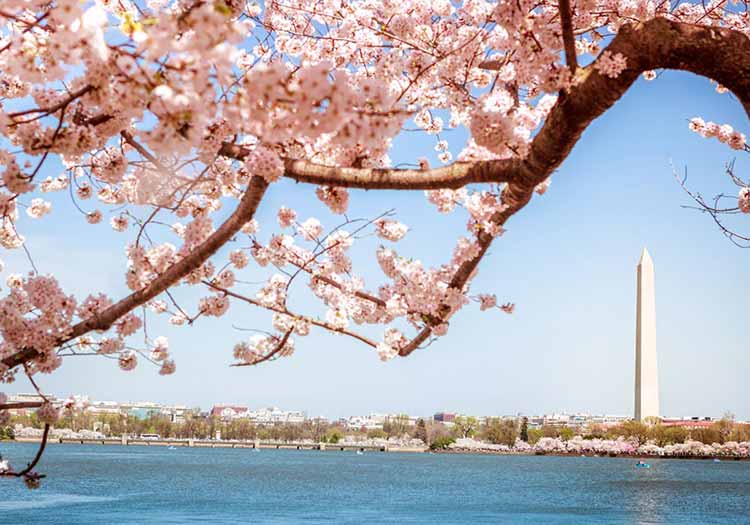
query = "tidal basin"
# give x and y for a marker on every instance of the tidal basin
(114, 484)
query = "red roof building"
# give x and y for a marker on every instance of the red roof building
(228, 411)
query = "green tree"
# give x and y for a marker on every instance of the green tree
(500, 431)
(566, 433)
(442, 442)
(524, 435)
(376, 433)
(465, 426)
(420, 431)
(535, 434)
(333, 436)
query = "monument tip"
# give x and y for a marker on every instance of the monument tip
(645, 257)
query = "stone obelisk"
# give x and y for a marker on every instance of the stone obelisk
(646, 375)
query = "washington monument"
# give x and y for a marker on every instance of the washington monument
(646, 375)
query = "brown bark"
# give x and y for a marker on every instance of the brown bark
(569, 43)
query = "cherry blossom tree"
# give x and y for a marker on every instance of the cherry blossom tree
(165, 114)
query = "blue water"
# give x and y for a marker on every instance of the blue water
(114, 484)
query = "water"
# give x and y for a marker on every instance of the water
(115, 484)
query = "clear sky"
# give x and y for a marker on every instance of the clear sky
(568, 261)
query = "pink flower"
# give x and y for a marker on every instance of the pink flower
(286, 217)
(47, 413)
(238, 258)
(487, 301)
(611, 65)
(213, 305)
(337, 199)
(128, 360)
(264, 162)
(38, 208)
(160, 350)
(119, 223)
(167, 367)
(508, 308)
(310, 229)
(386, 352)
(390, 230)
(94, 217)
(743, 201)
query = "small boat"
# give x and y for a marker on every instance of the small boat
(717, 460)
(641, 464)
(171, 447)
(360, 453)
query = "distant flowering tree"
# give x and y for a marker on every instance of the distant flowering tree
(171, 119)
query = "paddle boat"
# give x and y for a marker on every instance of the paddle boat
(642, 464)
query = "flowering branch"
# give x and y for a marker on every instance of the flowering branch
(30, 477)
(103, 320)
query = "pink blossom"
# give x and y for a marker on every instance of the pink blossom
(611, 65)
(119, 223)
(385, 352)
(390, 230)
(214, 306)
(310, 229)
(487, 302)
(337, 199)
(264, 162)
(168, 367)
(38, 208)
(286, 217)
(128, 360)
(238, 258)
(47, 413)
(743, 201)
(160, 349)
(508, 308)
(94, 217)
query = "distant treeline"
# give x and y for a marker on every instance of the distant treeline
(493, 430)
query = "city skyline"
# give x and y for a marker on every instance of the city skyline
(243, 406)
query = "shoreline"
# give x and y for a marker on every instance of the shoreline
(350, 447)
(574, 455)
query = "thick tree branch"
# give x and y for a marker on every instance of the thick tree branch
(20, 405)
(717, 53)
(244, 212)
(457, 175)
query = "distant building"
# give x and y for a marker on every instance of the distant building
(444, 417)
(369, 422)
(227, 412)
(693, 422)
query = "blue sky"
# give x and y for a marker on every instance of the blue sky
(567, 260)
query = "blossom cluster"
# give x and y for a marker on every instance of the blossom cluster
(724, 133)
(164, 115)
(612, 447)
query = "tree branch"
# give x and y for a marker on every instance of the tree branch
(569, 43)
(717, 53)
(21, 405)
(457, 175)
(285, 311)
(104, 320)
